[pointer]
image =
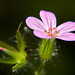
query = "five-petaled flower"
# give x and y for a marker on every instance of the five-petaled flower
(47, 27)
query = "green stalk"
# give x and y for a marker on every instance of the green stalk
(40, 70)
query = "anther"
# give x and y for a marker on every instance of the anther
(55, 36)
(53, 28)
(45, 31)
(48, 32)
(56, 32)
(50, 35)
(50, 29)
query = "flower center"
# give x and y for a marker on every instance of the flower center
(52, 32)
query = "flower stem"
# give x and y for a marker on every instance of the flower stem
(46, 50)
(40, 70)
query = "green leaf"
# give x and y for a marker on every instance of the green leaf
(47, 48)
(4, 45)
(8, 60)
(11, 51)
(20, 43)
(16, 55)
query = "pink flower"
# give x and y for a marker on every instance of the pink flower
(47, 27)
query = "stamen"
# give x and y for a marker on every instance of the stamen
(55, 36)
(50, 29)
(51, 35)
(56, 32)
(51, 32)
(46, 31)
(54, 28)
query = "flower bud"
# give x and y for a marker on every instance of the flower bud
(46, 48)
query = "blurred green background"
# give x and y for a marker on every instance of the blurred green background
(12, 12)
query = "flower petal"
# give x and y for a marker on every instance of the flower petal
(66, 27)
(41, 34)
(48, 18)
(34, 23)
(67, 37)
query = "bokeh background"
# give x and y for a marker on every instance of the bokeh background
(12, 12)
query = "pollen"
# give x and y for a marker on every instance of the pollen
(56, 32)
(46, 31)
(55, 36)
(51, 35)
(54, 28)
(50, 29)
